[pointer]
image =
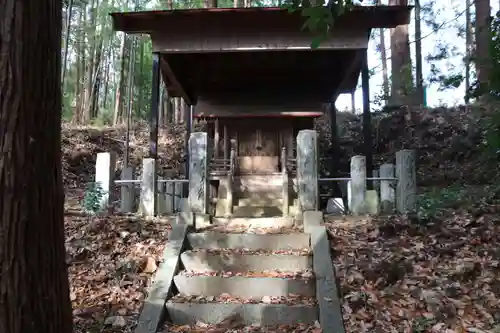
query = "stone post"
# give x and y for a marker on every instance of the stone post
(148, 203)
(198, 173)
(104, 176)
(358, 184)
(406, 189)
(161, 197)
(127, 191)
(387, 196)
(376, 183)
(307, 170)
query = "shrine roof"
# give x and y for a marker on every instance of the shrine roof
(258, 53)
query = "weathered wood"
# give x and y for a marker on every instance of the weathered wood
(307, 170)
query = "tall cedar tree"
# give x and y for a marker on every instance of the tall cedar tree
(34, 289)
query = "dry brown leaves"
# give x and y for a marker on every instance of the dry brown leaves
(244, 251)
(235, 328)
(306, 274)
(245, 228)
(398, 276)
(111, 261)
(290, 299)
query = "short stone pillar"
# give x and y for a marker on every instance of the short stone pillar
(387, 196)
(358, 185)
(406, 189)
(104, 177)
(127, 191)
(307, 170)
(148, 202)
(198, 195)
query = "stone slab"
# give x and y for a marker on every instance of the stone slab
(127, 191)
(257, 314)
(312, 219)
(198, 172)
(243, 286)
(327, 294)
(307, 170)
(148, 200)
(104, 172)
(256, 222)
(371, 202)
(153, 312)
(234, 262)
(257, 211)
(271, 242)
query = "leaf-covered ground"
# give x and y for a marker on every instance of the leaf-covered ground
(111, 261)
(401, 276)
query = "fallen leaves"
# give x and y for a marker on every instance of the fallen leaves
(398, 276)
(111, 261)
(306, 274)
(244, 251)
(245, 228)
(290, 299)
(228, 328)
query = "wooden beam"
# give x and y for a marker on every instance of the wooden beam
(216, 138)
(226, 143)
(173, 83)
(367, 119)
(154, 115)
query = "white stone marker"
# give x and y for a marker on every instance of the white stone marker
(198, 173)
(148, 202)
(104, 176)
(406, 189)
(387, 195)
(127, 191)
(307, 170)
(358, 184)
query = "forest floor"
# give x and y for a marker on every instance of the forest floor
(437, 271)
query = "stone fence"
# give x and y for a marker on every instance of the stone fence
(137, 195)
(394, 186)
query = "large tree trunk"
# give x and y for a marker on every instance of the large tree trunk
(483, 12)
(402, 81)
(468, 48)
(419, 80)
(34, 288)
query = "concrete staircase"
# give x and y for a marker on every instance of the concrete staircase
(263, 279)
(256, 196)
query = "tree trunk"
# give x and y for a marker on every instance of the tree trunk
(120, 89)
(418, 56)
(402, 81)
(69, 12)
(468, 48)
(34, 288)
(80, 42)
(483, 12)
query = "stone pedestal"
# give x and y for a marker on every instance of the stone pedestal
(358, 185)
(148, 202)
(104, 174)
(198, 173)
(406, 190)
(387, 193)
(127, 191)
(307, 170)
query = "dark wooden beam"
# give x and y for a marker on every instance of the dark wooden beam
(173, 83)
(367, 119)
(154, 115)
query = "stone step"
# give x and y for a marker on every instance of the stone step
(259, 201)
(270, 242)
(243, 286)
(256, 222)
(242, 262)
(260, 193)
(248, 314)
(257, 211)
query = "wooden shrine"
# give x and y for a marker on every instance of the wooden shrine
(250, 72)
